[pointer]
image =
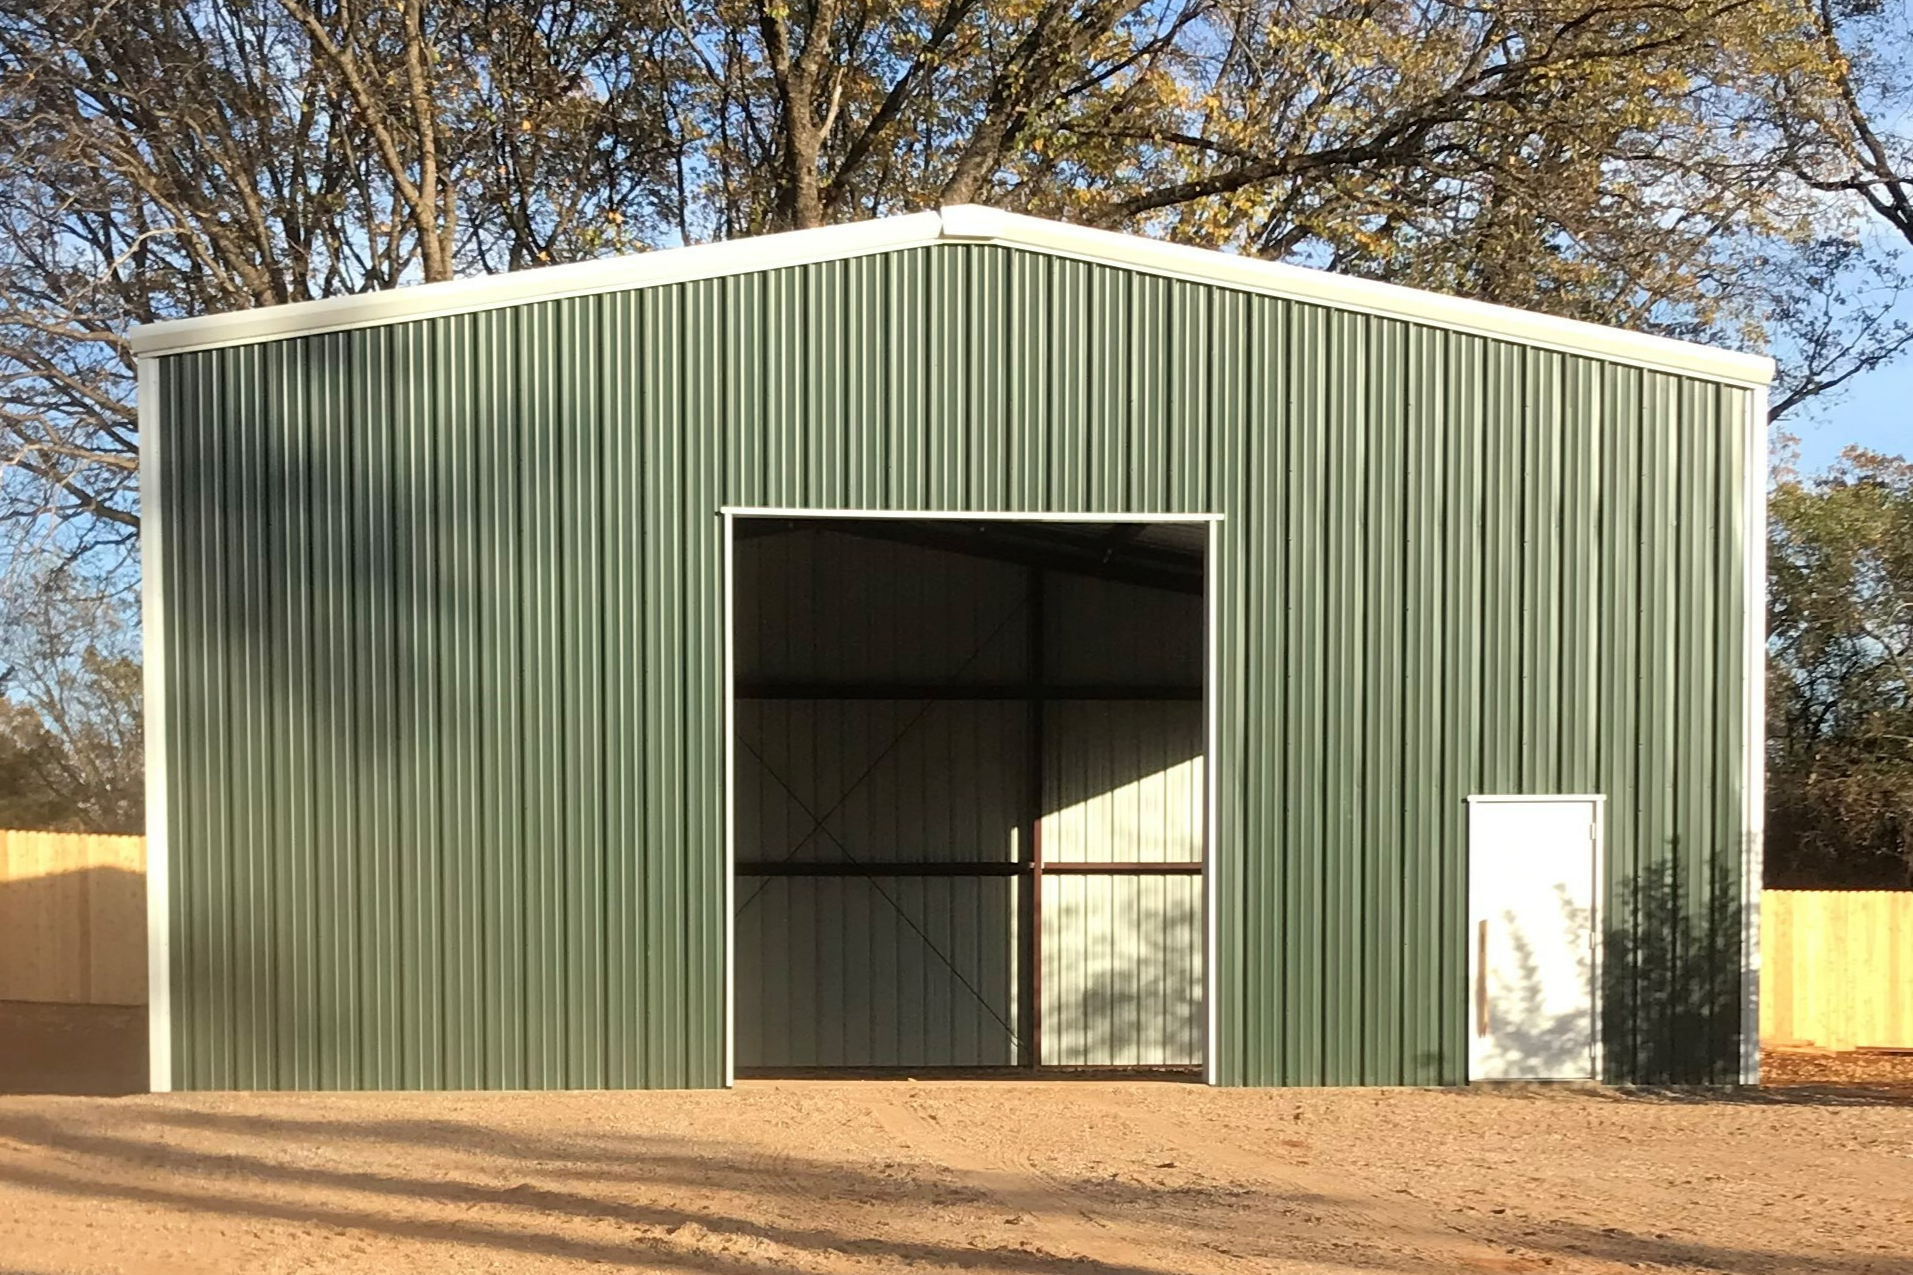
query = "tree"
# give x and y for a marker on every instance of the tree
(1851, 133)
(1833, 313)
(178, 157)
(1608, 161)
(1840, 675)
(1624, 161)
(1693, 167)
(70, 687)
(1835, 308)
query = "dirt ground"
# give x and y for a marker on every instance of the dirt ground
(1092, 1178)
(83, 1049)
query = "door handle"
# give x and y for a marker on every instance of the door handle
(1481, 978)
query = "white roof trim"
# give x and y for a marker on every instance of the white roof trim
(966, 223)
(988, 225)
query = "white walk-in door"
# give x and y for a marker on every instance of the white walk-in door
(1534, 951)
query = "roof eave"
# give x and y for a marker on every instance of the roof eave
(977, 224)
(967, 223)
(528, 287)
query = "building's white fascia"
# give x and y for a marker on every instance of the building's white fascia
(963, 223)
(989, 225)
(546, 283)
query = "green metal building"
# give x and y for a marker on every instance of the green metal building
(958, 640)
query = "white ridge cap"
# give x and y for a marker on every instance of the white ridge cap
(959, 223)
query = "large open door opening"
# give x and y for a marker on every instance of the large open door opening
(968, 797)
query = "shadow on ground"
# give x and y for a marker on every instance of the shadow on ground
(198, 1182)
(1769, 1095)
(691, 1204)
(96, 1050)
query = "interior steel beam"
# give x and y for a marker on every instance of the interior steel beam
(1019, 544)
(1135, 868)
(766, 688)
(885, 868)
(961, 868)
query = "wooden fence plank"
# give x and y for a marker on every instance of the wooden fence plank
(1837, 967)
(72, 918)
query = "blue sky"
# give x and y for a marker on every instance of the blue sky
(1876, 412)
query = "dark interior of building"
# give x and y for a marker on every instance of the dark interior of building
(969, 793)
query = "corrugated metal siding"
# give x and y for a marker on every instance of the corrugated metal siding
(1122, 955)
(878, 972)
(443, 649)
(893, 971)
(1122, 781)
(890, 971)
(1122, 971)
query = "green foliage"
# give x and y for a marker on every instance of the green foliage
(1697, 167)
(70, 689)
(1840, 676)
(1705, 168)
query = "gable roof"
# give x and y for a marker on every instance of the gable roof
(964, 223)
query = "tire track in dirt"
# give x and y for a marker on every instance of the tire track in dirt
(1061, 1224)
(741, 1201)
(1416, 1234)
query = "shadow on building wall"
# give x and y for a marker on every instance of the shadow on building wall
(1671, 980)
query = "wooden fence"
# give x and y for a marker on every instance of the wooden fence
(72, 918)
(1837, 967)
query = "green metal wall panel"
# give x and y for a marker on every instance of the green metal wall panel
(444, 650)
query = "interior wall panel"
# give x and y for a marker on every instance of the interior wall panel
(1122, 971)
(1123, 780)
(837, 781)
(848, 970)
(855, 971)
(812, 601)
(878, 972)
(1111, 633)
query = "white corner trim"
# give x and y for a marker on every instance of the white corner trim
(1753, 853)
(727, 528)
(963, 223)
(1211, 826)
(1598, 921)
(159, 984)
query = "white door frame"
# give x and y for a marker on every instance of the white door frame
(729, 514)
(1597, 913)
